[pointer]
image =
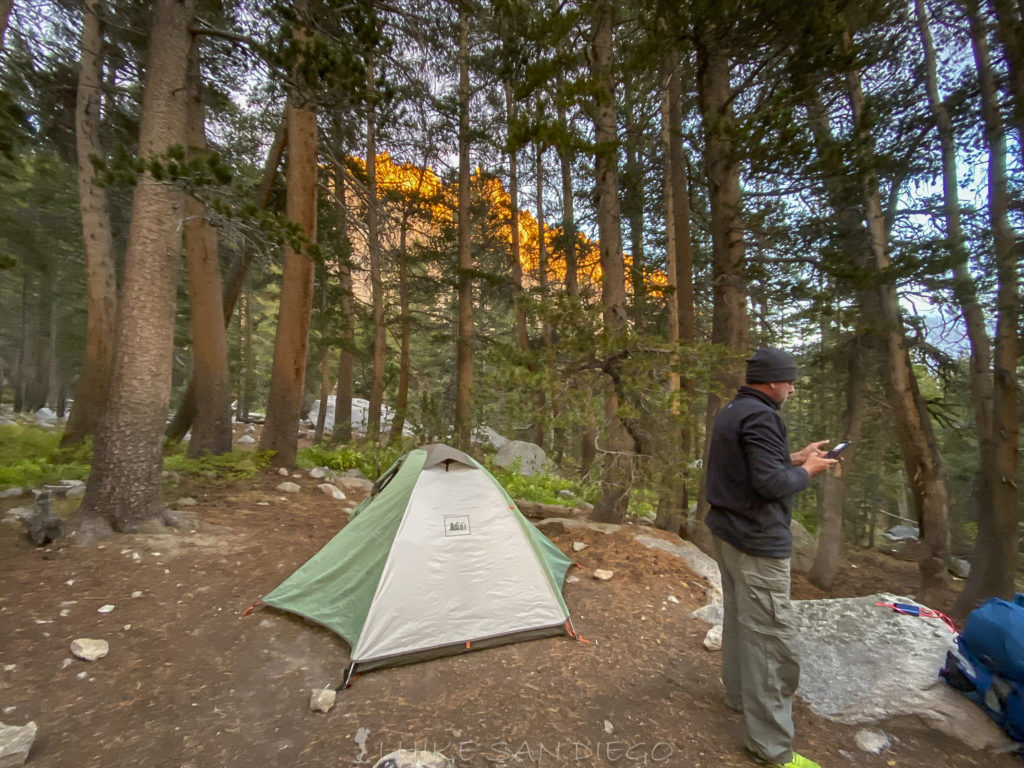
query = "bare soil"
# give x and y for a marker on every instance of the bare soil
(190, 682)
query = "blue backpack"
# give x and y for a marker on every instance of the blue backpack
(989, 668)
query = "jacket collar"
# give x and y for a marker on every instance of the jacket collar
(745, 391)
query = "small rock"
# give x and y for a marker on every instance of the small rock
(82, 675)
(288, 488)
(15, 743)
(565, 493)
(89, 649)
(250, 430)
(108, 608)
(318, 473)
(283, 472)
(572, 579)
(137, 593)
(246, 440)
(186, 501)
(578, 546)
(713, 639)
(77, 492)
(872, 741)
(608, 727)
(354, 485)
(66, 663)
(18, 513)
(322, 699)
(959, 567)
(602, 574)
(182, 519)
(65, 612)
(407, 758)
(10, 667)
(12, 493)
(712, 613)
(673, 599)
(332, 490)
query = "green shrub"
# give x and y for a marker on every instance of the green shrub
(372, 461)
(236, 465)
(30, 457)
(544, 489)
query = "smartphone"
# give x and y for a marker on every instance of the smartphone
(834, 452)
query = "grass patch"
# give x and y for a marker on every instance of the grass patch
(545, 489)
(372, 462)
(236, 465)
(30, 457)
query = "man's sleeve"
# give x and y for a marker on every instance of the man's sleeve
(772, 474)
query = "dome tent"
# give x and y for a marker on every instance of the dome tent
(437, 560)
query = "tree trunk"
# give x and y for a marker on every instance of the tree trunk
(1010, 31)
(911, 421)
(995, 554)
(619, 448)
(291, 344)
(543, 279)
(517, 256)
(633, 194)
(100, 275)
(5, 15)
(346, 364)
(247, 364)
(729, 324)
(123, 491)
(829, 557)
(376, 283)
(237, 278)
(464, 342)
(211, 428)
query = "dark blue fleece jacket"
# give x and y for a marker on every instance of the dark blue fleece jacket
(751, 481)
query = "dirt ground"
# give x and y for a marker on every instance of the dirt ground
(190, 683)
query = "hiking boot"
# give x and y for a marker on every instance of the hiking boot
(797, 761)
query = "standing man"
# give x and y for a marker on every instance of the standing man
(751, 480)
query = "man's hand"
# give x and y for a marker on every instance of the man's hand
(800, 458)
(817, 463)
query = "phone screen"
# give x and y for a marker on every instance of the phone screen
(838, 449)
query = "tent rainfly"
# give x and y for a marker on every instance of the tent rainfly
(437, 560)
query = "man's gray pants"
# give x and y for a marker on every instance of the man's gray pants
(760, 670)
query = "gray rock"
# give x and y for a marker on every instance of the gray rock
(354, 486)
(602, 575)
(15, 743)
(246, 440)
(407, 758)
(44, 525)
(805, 547)
(713, 638)
(579, 546)
(528, 457)
(90, 649)
(322, 699)
(872, 741)
(487, 436)
(703, 566)
(283, 471)
(959, 567)
(712, 613)
(288, 488)
(77, 492)
(185, 519)
(865, 664)
(318, 473)
(18, 514)
(355, 473)
(902, 533)
(332, 490)
(12, 493)
(536, 510)
(186, 501)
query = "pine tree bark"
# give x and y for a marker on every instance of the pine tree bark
(5, 15)
(995, 554)
(346, 363)
(376, 282)
(1010, 32)
(237, 279)
(291, 343)
(516, 255)
(917, 441)
(100, 275)
(123, 492)
(543, 280)
(211, 427)
(247, 363)
(619, 447)
(464, 340)
(729, 323)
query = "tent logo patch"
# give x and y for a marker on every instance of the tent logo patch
(456, 525)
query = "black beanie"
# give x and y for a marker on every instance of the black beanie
(770, 364)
